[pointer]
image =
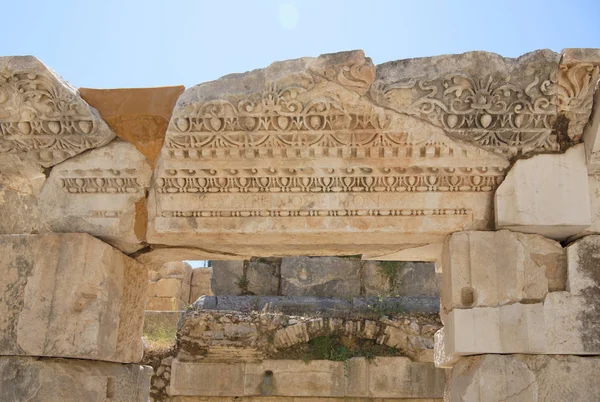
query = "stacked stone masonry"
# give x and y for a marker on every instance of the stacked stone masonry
(477, 163)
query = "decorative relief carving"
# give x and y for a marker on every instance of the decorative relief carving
(42, 117)
(575, 93)
(490, 111)
(100, 181)
(436, 180)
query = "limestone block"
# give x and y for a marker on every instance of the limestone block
(316, 378)
(392, 377)
(576, 82)
(320, 276)
(472, 95)
(42, 116)
(166, 304)
(173, 287)
(176, 269)
(523, 378)
(487, 269)
(101, 192)
(227, 277)
(218, 379)
(400, 278)
(137, 115)
(200, 286)
(29, 379)
(70, 295)
(384, 377)
(263, 276)
(440, 357)
(546, 194)
(591, 138)
(20, 185)
(336, 177)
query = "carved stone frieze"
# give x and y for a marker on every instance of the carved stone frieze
(504, 105)
(296, 154)
(577, 81)
(42, 116)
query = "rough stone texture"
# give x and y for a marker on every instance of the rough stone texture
(488, 269)
(29, 379)
(470, 95)
(591, 138)
(200, 285)
(42, 117)
(263, 276)
(176, 269)
(320, 276)
(156, 320)
(101, 192)
(396, 278)
(577, 80)
(137, 115)
(546, 194)
(227, 277)
(298, 159)
(70, 295)
(391, 377)
(226, 336)
(20, 185)
(292, 399)
(522, 378)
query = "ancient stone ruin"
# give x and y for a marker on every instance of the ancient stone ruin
(421, 230)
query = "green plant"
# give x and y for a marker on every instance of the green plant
(160, 337)
(243, 283)
(390, 270)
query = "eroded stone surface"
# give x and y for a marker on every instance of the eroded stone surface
(546, 194)
(29, 379)
(42, 117)
(488, 269)
(389, 377)
(296, 158)
(70, 295)
(521, 378)
(200, 285)
(502, 104)
(322, 276)
(137, 115)
(577, 80)
(103, 193)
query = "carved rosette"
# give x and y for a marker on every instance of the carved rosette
(42, 117)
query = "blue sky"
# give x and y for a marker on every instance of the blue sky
(131, 43)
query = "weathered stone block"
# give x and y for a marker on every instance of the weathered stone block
(176, 269)
(488, 269)
(393, 377)
(208, 379)
(103, 193)
(137, 115)
(263, 277)
(400, 278)
(20, 186)
(320, 276)
(200, 285)
(173, 287)
(546, 194)
(70, 295)
(227, 277)
(42, 116)
(523, 378)
(29, 379)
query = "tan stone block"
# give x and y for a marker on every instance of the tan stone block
(151, 289)
(525, 378)
(137, 115)
(58, 380)
(591, 138)
(200, 286)
(320, 276)
(546, 194)
(176, 269)
(37, 123)
(70, 295)
(318, 378)
(20, 186)
(207, 379)
(173, 287)
(165, 304)
(487, 269)
(101, 192)
(440, 357)
(396, 377)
